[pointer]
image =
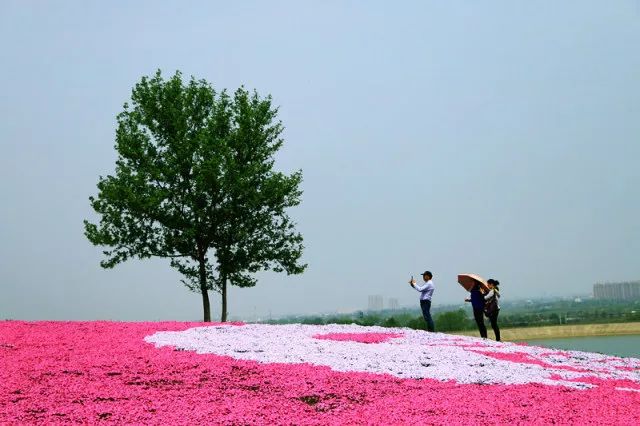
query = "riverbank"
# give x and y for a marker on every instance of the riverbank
(560, 331)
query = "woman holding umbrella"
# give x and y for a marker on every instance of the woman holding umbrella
(477, 287)
(477, 303)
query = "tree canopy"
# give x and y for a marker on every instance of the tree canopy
(195, 183)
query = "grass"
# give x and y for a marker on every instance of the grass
(560, 331)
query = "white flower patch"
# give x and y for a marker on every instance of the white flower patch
(416, 354)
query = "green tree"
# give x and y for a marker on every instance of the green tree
(391, 322)
(452, 320)
(194, 183)
(417, 323)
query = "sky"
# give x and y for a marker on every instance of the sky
(497, 137)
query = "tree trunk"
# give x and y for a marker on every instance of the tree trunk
(224, 299)
(203, 289)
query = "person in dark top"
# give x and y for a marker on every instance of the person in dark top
(492, 307)
(477, 303)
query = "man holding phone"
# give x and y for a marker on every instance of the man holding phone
(426, 293)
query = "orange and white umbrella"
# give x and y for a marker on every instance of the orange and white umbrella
(468, 281)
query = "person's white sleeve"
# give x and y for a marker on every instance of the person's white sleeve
(489, 295)
(420, 287)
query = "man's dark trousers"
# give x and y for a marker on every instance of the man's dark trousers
(426, 313)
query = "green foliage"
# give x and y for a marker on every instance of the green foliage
(390, 322)
(452, 320)
(512, 314)
(312, 321)
(340, 320)
(194, 182)
(554, 318)
(417, 323)
(369, 320)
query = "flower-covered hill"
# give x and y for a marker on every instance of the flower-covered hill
(192, 373)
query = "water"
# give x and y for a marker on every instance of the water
(625, 346)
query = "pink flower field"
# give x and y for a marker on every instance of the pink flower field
(192, 373)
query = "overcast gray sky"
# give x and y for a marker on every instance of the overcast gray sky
(495, 137)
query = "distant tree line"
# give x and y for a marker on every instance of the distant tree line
(445, 321)
(520, 314)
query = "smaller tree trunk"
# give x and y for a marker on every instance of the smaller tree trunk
(224, 299)
(203, 289)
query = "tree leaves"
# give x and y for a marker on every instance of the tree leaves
(194, 182)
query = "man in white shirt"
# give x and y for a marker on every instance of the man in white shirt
(426, 292)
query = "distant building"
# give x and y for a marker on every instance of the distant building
(393, 303)
(629, 290)
(375, 302)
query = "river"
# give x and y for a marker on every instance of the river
(624, 346)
